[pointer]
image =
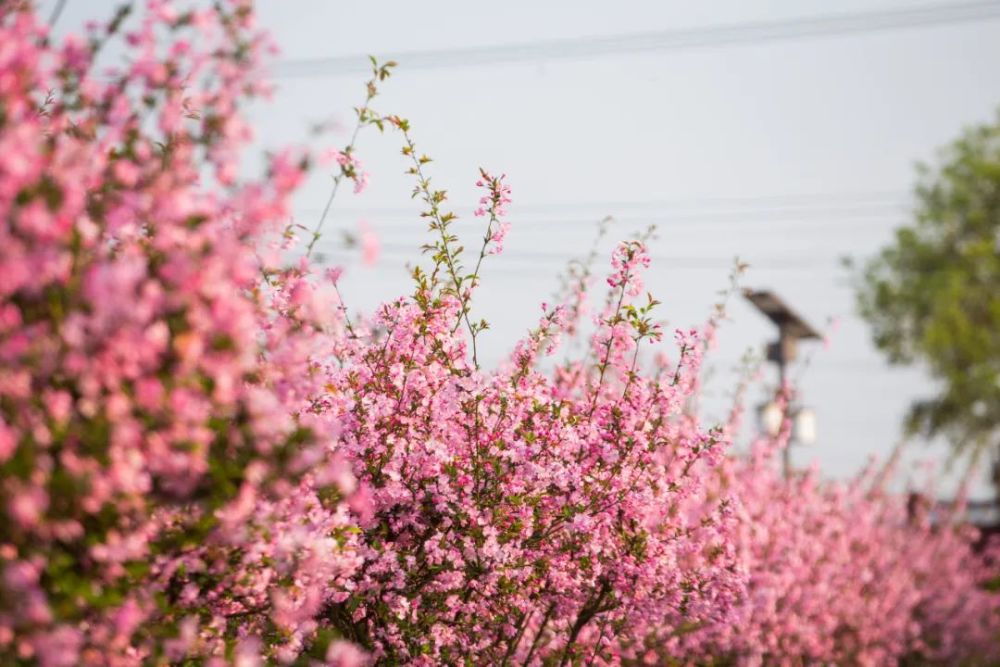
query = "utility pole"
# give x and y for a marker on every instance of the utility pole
(791, 329)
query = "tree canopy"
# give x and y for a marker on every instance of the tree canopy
(933, 294)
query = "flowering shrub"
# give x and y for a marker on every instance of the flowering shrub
(203, 458)
(153, 394)
(516, 518)
(842, 573)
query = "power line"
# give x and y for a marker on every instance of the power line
(671, 216)
(711, 206)
(536, 257)
(836, 208)
(812, 224)
(655, 41)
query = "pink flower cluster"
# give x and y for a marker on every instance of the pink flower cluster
(166, 484)
(204, 460)
(351, 167)
(494, 204)
(523, 519)
(843, 573)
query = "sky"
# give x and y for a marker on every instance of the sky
(790, 154)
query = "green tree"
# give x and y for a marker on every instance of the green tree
(933, 294)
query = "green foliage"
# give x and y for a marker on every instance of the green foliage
(933, 295)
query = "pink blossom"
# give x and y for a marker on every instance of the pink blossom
(361, 181)
(8, 441)
(345, 654)
(333, 274)
(370, 244)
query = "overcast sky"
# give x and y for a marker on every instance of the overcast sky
(789, 153)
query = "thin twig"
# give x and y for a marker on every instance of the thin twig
(56, 13)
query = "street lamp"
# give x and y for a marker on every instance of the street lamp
(770, 417)
(804, 426)
(791, 329)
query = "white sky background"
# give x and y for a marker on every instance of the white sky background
(790, 154)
